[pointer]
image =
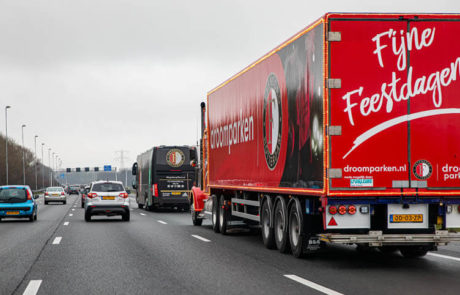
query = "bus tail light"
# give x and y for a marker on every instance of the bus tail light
(351, 209)
(342, 209)
(155, 190)
(332, 210)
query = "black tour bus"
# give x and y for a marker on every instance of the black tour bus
(164, 176)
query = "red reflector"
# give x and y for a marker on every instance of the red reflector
(155, 188)
(342, 209)
(332, 222)
(351, 209)
(63, 193)
(332, 210)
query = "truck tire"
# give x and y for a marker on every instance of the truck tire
(413, 251)
(281, 226)
(388, 249)
(215, 214)
(140, 206)
(224, 216)
(297, 238)
(268, 233)
(196, 221)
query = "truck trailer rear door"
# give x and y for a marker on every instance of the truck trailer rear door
(368, 132)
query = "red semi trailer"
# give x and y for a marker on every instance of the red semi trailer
(348, 132)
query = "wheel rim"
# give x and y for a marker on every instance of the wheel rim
(295, 229)
(221, 216)
(214, 217)
(279, 225)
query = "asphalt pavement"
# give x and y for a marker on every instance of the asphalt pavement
(163, 253)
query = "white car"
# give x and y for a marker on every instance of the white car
(55, 194)
(107, 198)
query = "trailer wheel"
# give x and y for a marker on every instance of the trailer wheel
(215, 214)
(297, 237)
(281, 226)
(388, 249)
(413, 251)
(268, 233)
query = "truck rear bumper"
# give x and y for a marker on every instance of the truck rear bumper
(377, 238)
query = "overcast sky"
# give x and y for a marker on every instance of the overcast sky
(91, 77)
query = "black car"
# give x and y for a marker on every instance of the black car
(74, 190)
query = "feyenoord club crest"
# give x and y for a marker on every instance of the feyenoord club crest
(175, 158)
(272, 120)
(422, 169)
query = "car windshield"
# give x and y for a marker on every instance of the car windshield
(107, 187)
(13, 195)
(55, 189)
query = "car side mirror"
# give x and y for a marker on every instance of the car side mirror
(134, 169)
(36, 196)
(134, 184)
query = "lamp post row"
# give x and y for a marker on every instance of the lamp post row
(23, 155)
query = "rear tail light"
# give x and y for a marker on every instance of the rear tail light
(46, 193)
(123, 195)
(332, 210)
(29, 197)
(155, 190)
(63, 193)
(342, 209)
(92, 195)
(351, 209)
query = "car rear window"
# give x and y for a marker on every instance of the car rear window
(55, 189)
(107, 187)
(74, 187)
(13, 195)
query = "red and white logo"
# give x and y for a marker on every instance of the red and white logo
(422, 169)
(272, 121)
(175, 158)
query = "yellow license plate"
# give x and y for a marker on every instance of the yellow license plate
(108, 198)
(406, 218)
(12, 212)
(176, 193)
(55, 195)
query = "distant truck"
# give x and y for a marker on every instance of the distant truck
(348, 133)
(164, 176)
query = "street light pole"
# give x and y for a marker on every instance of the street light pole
(23, 156)
(6, 141)
(35, 144)
(49, 165)
(43, 169)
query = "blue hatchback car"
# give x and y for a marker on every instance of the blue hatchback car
(18, 201)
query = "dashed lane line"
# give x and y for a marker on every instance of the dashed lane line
(201, 238)
(143, 214)
(162, 222)
(444, 256)
(312, 285)
(66, 223)
(57, 241)
(32, 287)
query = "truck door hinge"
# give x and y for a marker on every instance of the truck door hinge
(334, 36)
(334, 172)
(334, 83)
(334, 130)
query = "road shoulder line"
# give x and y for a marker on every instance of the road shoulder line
(312, 285)
(32, 287)
(201, 238)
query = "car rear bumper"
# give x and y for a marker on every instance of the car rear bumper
(108, 210)
(22, 211)
(55, 199)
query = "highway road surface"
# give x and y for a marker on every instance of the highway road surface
(163, 253)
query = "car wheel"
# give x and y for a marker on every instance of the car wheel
(65, 202)
(87, 216)
(36, 215)
(82, 204)
(46, 203)
(31, 217)
(126, 217)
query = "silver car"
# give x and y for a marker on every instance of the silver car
(55, 194)
(107, 198)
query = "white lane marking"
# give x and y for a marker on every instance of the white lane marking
(143, 214)
(70, 214)
(57, 240)
(312, 285)
(201, 238)
(32, 287)
(73, 209)
(161, 221)
(444, 256)
(66, 223)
